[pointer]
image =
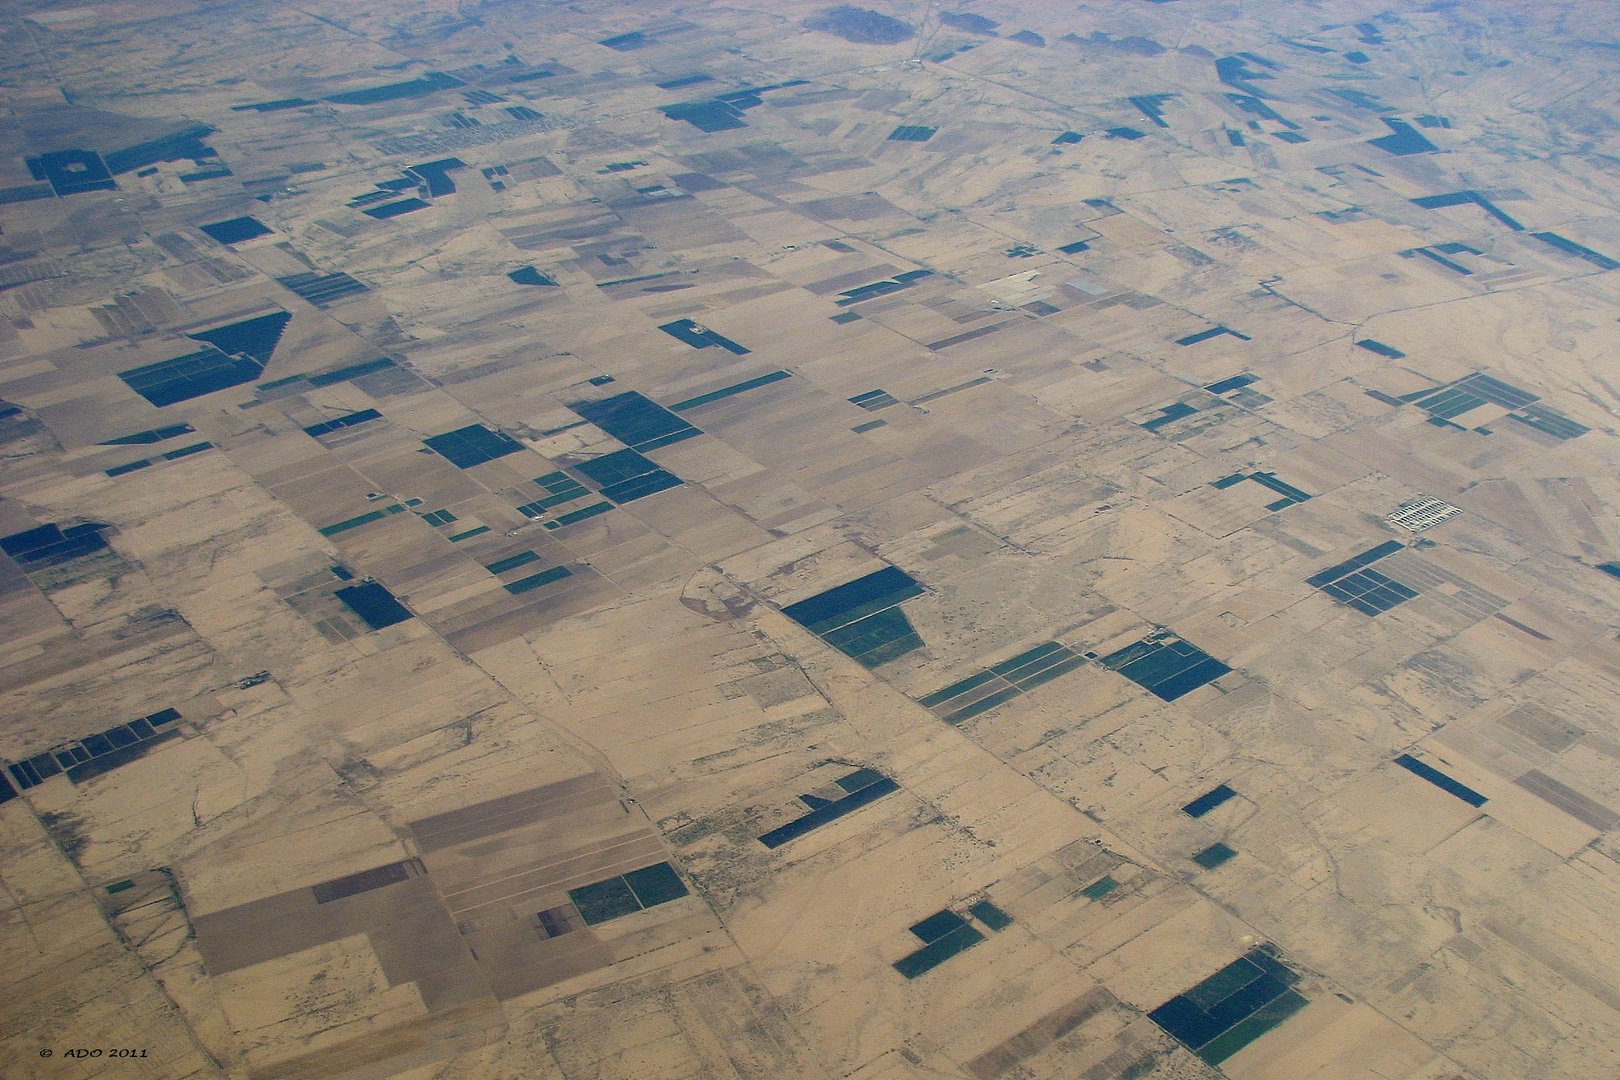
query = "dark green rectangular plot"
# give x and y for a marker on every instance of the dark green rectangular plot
(1381, 349)
(1099, 888)
(1441, 780)
(1224, 983)
(869, 633)
(473, 445)
(352, 523)
(534, 581)
(1368, 591)
(616, 467)
(931, 956)
(1208, 801)
(881, 628)
(854, 600)
(553, 481)
(1047, 674)
(892, 649)
(1232, 1007)
(635, 420)
(912, 133)
(469, 534)
(1214, 856)
(641, 486)
(864, 611)
(1248, 1030)
(353, 371)
(990, 915)
(1185, 682)
(580, 515)
(1273, 967)
(121, 735)
(155, 435)
(728, 391)
(957, 689)
(1550, 421)
(1241, 1003)
(857, 798)
(1229, 481)
(604, 900)
(983, 705)
(106, 763)
(522, 558)
(566, 495)
(1269, 480)
(317, 430)
(190, 376)
(937, 925)
(1451, 404)
(656, 884)
(1578, 250)
(1366, 558)
(431, 81)
(1023, 658)
(1018, 675)
(374, 604)
(1162, 663)
(859, 779)
(1168, 414)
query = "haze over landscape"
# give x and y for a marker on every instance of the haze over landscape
(737, 541)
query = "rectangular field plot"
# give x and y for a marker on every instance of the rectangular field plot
(626, 476)
(862, 619)
(1207, 802)
(99, 753)
(1440, 780)
(863, 786)
(1233, 1007)
(372, 601)
(1472, 391)
(638, 422)
(193, 375)
(1165, 665)
(51, 545)
(473, 445)
(944, 934)
(648, 887)
(1368, 591)
(983, 691)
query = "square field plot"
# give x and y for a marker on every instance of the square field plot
(236, 230)
(631, 892)
(473, 445)
(374, 604)
(638, 422)
(1165, 665)
(1233, 1007)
